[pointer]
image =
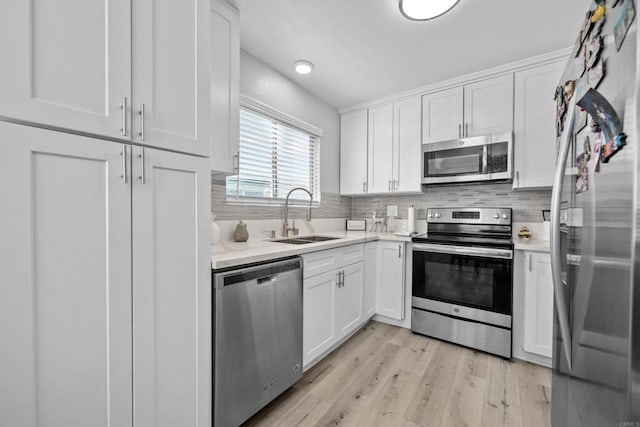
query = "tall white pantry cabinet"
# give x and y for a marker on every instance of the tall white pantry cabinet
(105, 296)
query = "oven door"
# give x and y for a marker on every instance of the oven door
(476, 278)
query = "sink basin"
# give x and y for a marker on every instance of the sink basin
(318, 238)
(305, 240)
(293, 241)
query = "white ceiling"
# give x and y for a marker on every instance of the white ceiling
(364, 49)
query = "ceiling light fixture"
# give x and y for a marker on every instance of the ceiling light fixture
(424, 10)
(303, 67)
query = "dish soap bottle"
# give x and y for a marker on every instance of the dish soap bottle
(241, 234)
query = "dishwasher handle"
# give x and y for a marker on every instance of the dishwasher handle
(267, 279)
(261, 273)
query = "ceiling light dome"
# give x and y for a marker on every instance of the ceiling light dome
(303, 67)
(423, 10)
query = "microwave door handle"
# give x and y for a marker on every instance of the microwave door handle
(556, 255)
(485, 155)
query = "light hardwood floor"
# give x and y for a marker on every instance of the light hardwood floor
(388, 376)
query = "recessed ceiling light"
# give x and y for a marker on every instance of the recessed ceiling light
(303, 67)
(423, 10)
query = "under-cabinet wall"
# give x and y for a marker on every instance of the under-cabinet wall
(261, 82)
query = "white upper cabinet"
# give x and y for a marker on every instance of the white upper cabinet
(488, 106)
(171, 95)
(534, 126)
(406, 146)
(225, 87)
(137, 71)
(66, 64)
(442, 115)
(380, 149)
(380, 170)
(353, 153)
(479, 108)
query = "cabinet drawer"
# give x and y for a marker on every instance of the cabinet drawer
(315, 263)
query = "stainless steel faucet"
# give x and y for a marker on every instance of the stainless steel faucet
(285, 224)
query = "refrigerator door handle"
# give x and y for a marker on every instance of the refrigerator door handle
(556, 256)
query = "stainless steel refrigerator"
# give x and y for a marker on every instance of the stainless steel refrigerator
(595, 242)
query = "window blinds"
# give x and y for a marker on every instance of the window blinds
(274, 158)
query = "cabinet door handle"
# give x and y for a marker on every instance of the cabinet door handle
(517, 178)
(141, 114)
(466, 130)
(459, 130)
(123, 107)
(236, 162)
(530, 257)
(399, 251)
(389, 185)
(141, 157)
(124, 163)
(364, 186)
(338, 279)
(342, 278)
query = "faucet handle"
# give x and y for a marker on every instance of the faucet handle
(270, 233)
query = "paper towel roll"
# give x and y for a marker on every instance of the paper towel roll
(411, 220)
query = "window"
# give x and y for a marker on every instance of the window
(275, 157)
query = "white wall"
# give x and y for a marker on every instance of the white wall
(261, 82)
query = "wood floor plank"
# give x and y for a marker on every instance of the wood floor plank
(427, 407)
(389, 376)
(533, 374)
(536, 404)
(467, 396)
(502, 404)
(283, 406)
(389, 406)
(351, 402)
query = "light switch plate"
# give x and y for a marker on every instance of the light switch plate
(392, 210)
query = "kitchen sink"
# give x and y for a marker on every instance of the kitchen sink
(293, 241)
(318, 238)
(305, 240)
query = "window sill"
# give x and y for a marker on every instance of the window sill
(273, 203)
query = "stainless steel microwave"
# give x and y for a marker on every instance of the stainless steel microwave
(479, 158)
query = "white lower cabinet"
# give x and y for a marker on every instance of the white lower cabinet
(319, 318)
(370, 263)
(390, 279)
(332, 298)
(105, 295)
(538, 304)
(349, 299)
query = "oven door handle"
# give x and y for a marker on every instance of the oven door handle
(465, 250)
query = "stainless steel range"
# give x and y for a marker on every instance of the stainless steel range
(462, 274)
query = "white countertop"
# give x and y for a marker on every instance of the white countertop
(232, 254)
(531, 245)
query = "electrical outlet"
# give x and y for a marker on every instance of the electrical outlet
(392, 210)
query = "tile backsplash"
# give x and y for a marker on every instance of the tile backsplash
(331, 206)
(527, 205)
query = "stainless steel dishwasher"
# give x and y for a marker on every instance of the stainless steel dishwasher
(257, 337)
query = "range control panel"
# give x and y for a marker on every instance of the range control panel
(500, 216)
